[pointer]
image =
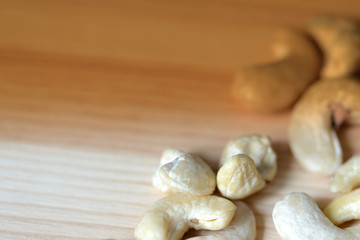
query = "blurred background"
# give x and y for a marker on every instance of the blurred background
(91, 93)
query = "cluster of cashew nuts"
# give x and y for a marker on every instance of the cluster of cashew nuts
(247, 164)
(320, 107)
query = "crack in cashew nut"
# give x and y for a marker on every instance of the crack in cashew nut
(276, 86)
(241, 227)
(170, 217)
(312, 136)
(298, 217)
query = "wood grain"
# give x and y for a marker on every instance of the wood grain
(91, 92)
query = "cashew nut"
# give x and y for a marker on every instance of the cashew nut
(276, 86)
(239, 178)
(258, 148)
(187, 173)
(298, 217)
(170, 217)
(344, 208)
(340, 40)
(347, 176)
(241, 227)
(323, 107)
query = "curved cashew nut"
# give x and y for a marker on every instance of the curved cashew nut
(298, 217)
(344, 208)
(258, 148)
(187, 173)
(170, 217)
(322, 108)
(276, 86)
(239, 178)
(340, 40)
(347, 176)
(241, 227)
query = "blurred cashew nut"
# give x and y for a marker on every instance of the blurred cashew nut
(187, 173)
(344, 208)
(169, 218)
(312, 131)
(258, 148)
(347, 176)
(297, 217)
(276, 86)
(241, 227)
(339, 39)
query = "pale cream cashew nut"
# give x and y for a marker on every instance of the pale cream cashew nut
(241, 227)
(239, 178)
(344, 208)
(187, 173)
(298, 217)
(347, 176)
(312, 131)
(276, 86)
(258, 148)
(169, 218)
(339, 39)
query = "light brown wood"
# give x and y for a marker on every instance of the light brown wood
(91, 92)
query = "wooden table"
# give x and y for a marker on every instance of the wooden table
(91, 92)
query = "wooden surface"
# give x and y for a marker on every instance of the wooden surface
(91, 92)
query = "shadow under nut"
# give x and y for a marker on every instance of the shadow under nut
(312, 134)
(276, 86)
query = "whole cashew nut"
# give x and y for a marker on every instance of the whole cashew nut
(339, 39)
(347, 176)
(169, 218)
(276, 86)
(241, 227)
(239, 178)
(323, 107)
(344, 208)
(187, 173)
(258, 148)
(297, 217)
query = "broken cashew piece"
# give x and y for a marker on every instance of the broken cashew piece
(347, 176)
(298, 217)
(276, 86)
(313, 123)
(339, 39)
(241, 227)
(344, 208)
(169, 155)
(187, 173)
(239, 178)
(170, 217)
(258, 148)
